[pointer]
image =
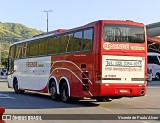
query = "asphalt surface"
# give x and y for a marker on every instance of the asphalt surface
(38, 104)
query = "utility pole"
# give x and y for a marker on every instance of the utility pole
(47, 11)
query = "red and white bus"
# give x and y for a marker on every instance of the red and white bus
(102, 60)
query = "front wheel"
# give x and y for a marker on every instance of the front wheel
(65, 93)
(15, 86)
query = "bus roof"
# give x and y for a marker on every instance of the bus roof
(51, 32)
(61, 31)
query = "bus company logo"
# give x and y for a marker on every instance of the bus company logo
(31, 64)
(108, 46)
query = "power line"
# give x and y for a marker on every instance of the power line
(47, 11)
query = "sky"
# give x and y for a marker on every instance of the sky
(69, 14)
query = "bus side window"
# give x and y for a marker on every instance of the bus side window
(42, 49)
(77, 43)
(11, 60)
(53, 45)
(87, 39)
(69, 46)
(32, 49)
(63, 43)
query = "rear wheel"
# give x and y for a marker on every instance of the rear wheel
(15, 86)
(53, 91)
(65, 93)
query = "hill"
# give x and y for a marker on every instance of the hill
(10, 33)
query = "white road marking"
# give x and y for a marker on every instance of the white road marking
(145, 122)
(6, 96)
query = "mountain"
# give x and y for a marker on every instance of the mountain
(12, 32)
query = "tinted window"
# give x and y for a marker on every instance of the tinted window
(74, 41)
(77, 41)
(53, 45)
(11, 60)
(42, 49)
(153, 60)
(123, 33)
(24, 49)
(12, 51)
(66, 43)
(32, 48)
(69, 47)
(63, 43)
(87, 39)
(19, 51)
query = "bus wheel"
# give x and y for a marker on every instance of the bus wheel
(15, 86)
(53, 91)
(64, 92)
(103, 99)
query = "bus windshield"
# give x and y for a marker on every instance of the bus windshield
(123, 33)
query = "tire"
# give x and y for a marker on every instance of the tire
(103, 99)
(15, 86)
(53, 91)
(65, 93)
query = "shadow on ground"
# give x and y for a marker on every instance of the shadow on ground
(29, 100)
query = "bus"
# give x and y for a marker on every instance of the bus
(153, 58)
(102, 60)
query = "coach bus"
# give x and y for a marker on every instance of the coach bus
(102, 60)
(153, 58)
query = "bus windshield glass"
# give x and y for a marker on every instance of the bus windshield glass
(123, 33)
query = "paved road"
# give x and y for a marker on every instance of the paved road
(33, 103)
